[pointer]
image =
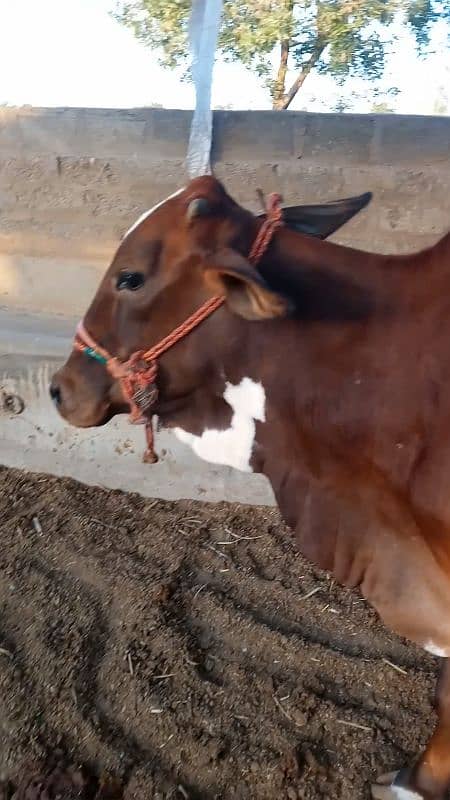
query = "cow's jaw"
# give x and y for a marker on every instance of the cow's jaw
(232, 447)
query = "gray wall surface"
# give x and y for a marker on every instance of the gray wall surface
(73, 180)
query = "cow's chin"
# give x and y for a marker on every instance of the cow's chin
(94, 417)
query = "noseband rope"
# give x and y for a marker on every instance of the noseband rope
(137, 375)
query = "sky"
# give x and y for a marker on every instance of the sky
(72, 53)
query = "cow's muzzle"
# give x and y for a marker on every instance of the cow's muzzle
(86, 401)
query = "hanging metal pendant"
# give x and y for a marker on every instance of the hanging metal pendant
(145, 397)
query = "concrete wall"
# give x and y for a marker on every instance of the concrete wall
(73, 180)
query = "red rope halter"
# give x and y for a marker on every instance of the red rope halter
(137, 376)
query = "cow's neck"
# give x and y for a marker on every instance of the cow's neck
(327, 274)
(332, 406)
(295, 248)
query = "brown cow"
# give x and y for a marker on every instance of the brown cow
(328, 370)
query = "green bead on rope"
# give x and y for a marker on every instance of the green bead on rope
(93, 354)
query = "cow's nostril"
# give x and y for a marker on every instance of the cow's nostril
(55, 394)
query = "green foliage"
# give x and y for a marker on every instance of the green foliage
(422, 14)
(382, 107)
(160, 24)
(340, 38)
(441, 104)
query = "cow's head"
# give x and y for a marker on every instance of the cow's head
(176, 256)
(190, 247)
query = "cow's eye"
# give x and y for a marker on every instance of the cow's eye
(130, 280)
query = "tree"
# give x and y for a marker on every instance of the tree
(441, 105)
(382, 107)
(341, 38)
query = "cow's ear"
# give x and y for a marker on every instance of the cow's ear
(323, 219)
(246, 292)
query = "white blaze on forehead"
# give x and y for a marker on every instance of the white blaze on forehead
(148, 213)
(233, 446)
(432, 648)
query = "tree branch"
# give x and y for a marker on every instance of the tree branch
(280, 80)
(284, 101)
(279, 85)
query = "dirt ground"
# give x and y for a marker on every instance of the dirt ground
(187, 651)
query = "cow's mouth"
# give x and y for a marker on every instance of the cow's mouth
(82, 412)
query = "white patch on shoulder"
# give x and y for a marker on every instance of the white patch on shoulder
(233, 446)
(432, 648)
(146, 214)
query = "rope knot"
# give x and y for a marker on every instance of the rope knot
(139, 386)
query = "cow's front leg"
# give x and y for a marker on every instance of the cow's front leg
(429, 779)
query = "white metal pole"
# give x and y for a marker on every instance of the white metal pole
(203, 32)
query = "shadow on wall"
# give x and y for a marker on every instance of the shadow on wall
(10, 284)
(52, 286)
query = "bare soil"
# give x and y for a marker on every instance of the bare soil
(187, 651)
